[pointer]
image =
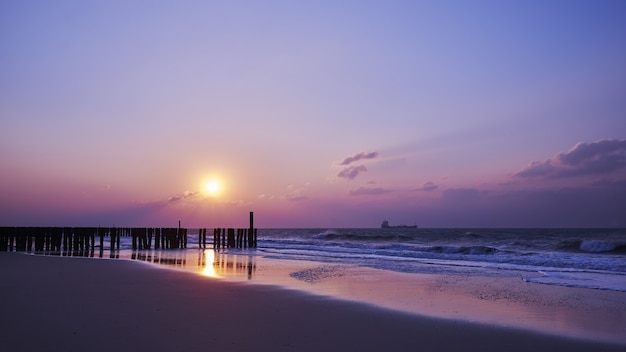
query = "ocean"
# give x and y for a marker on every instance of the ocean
(590, 258)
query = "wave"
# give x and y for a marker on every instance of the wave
(584, 279)
(593, 246)
(472, 235)
(333, 235)
(598, 246)
(471, 250)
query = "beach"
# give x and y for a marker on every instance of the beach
(71, 304)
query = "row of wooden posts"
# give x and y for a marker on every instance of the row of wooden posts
(57, 239)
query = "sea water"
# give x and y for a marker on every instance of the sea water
(590, 258)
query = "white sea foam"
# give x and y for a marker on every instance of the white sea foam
(596, 280)
(600, 245)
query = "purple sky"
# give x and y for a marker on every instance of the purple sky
(313, 114)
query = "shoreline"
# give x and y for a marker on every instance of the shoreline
(138, 300)
(496, 297)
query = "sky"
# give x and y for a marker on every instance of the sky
(321, 114)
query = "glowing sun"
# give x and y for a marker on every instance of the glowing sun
(212, 187)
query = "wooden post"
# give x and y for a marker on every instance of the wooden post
(231, 238)
(250, 238)
(134, 237)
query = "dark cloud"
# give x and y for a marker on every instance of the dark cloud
(363, 191)
(351, 172)
(599, 205)
(427, 187)
(359, 156)
(599, 157)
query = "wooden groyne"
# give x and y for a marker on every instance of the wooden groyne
(87, 239)
(63, 239)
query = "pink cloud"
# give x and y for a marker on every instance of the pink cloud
(179, 197)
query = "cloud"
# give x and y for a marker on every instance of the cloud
(295, 197)
(427, 187)
(179, 197)
(351, 172)
(601, 157)
(295, 194)
(359, 156)
(363, 191)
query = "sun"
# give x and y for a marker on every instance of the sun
(212, 187)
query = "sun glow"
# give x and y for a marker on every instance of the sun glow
(212, 187)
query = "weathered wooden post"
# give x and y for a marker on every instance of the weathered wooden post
(251, 241)
(112, 238)
(134, 239)
(201, 238)
(231, 238)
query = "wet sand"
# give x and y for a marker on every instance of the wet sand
(72, 304)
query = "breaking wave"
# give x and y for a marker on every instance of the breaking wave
(598, 246)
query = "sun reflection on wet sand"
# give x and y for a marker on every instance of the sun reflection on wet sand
(208, 263)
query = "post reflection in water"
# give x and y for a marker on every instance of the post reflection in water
(209, 262)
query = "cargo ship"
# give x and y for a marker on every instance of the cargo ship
(385, 225)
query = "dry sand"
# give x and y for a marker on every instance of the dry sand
(78, 304)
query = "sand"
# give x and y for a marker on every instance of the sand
(77, 304)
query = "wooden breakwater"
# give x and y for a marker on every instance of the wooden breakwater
(83, 239)
(232, 238)
(64, 239)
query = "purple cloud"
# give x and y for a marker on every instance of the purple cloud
(351, 172)
(599, 157)
(427, 187)
(368, 191)
(359, 156)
